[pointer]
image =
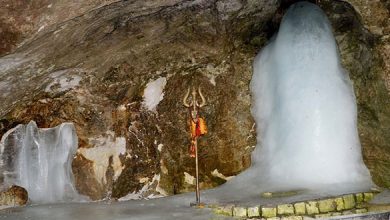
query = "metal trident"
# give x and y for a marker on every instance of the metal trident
(194, 104)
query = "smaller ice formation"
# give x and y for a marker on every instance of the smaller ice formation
(40, 161)
(154, 93)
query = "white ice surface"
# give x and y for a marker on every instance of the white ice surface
(167, 208)
(40, 161)
(154, 93)
(305, 109)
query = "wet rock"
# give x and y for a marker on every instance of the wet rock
(85, 180)
(14, 196)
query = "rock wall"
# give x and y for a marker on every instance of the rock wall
(21, 20)
(92, 66)
(93, 69)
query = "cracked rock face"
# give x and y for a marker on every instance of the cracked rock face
(92, 67)
(21, 20)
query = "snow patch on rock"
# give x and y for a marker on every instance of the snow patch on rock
(189, 179)
(216, 173)
(159, 147)
(150, 190)
(63, 81)
(154, 93)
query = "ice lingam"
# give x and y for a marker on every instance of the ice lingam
(306, 114)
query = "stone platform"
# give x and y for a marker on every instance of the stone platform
(344, 205)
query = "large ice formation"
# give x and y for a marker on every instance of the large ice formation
(40, 161)
(305, 109)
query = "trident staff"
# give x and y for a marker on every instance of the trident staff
(198, 128)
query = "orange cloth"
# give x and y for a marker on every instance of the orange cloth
(202, 126)
(198, 128)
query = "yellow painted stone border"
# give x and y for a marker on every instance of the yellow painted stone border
(319, 208)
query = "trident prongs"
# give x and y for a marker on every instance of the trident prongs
(194, 103)
(185, 102)
(203, 99)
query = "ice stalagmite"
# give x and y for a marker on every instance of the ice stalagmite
(305, 110)
(40, 161)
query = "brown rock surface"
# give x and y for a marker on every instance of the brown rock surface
(14, 196)
(20, 20)
(92, 70)
(91, 67)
